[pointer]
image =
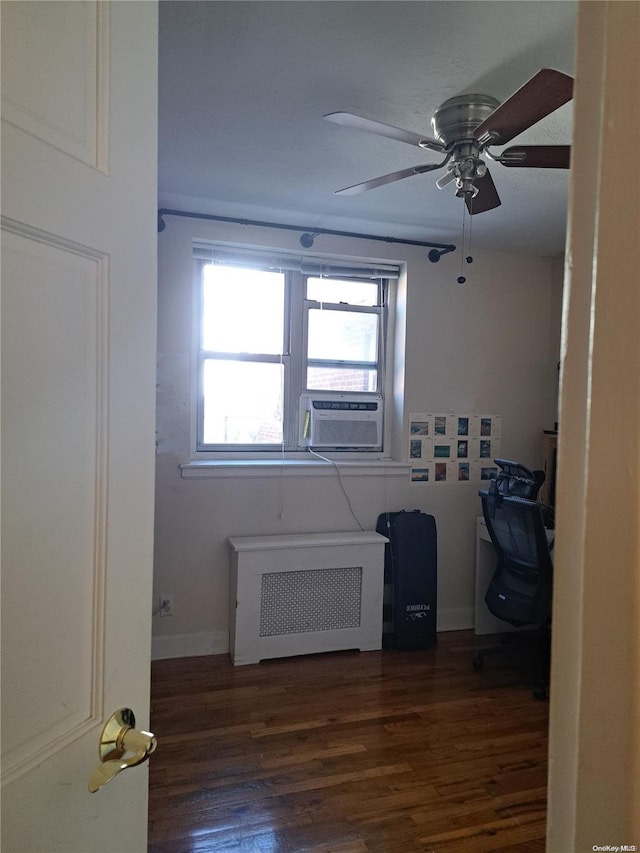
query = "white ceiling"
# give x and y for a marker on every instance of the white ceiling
(244, 86)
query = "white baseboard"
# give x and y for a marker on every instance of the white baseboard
(217, 642)
(455, 618)
(190, 645)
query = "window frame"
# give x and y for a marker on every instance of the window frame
(202, 355)
(310, 305)
(294, 356)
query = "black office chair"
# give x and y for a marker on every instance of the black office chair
(520, 590)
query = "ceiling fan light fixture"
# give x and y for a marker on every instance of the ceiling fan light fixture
(466, 188)
(446, 179)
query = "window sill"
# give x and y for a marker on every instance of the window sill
(231, 468)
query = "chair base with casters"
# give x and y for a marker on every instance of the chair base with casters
(520, 590)
(536, 669)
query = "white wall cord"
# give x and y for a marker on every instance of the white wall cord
(344, 491)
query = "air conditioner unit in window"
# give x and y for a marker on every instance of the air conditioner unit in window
(342, 422)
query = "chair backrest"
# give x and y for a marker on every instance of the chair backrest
(516, 479)
(520, 589)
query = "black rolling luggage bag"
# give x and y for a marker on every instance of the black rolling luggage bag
(410, 579)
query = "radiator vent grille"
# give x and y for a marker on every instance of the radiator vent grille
(311, 600)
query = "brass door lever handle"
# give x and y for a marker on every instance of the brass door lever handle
(121, 746)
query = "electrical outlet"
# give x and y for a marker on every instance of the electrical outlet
(166, 605)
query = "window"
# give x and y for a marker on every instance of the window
(274, 332)
(343, 335)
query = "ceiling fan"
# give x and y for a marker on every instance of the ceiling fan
(466, 126)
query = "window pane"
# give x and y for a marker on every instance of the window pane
(341, 379)
(243, 402)
(343, 335)
(243, 310)
(340, 290)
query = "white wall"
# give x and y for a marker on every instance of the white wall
(490, 346)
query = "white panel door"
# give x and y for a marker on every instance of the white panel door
(79, 110)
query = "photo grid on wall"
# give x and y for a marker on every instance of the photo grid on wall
(453, 448)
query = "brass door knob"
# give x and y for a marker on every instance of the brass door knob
(121, 747)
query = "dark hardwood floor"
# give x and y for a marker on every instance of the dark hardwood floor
(375, 752)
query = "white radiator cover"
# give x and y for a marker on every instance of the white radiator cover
(305, 593)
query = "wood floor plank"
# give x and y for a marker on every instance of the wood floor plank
(376, 752)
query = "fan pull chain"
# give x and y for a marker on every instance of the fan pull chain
(461, 278)
(469, 259)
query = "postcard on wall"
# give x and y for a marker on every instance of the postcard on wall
(420, 448)
(484, 448)
(442, 448)
(415, 449)
(440, 472)
(462, 425)
(420, 425)
(490, 426)
(463, 472)
(483, 470)
(439, 425)
(462, 448)
(420, 475)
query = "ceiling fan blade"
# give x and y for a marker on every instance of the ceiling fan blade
(388, 130)
(541, 95)
(487, 197)
(537, 156)
(388, 179)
